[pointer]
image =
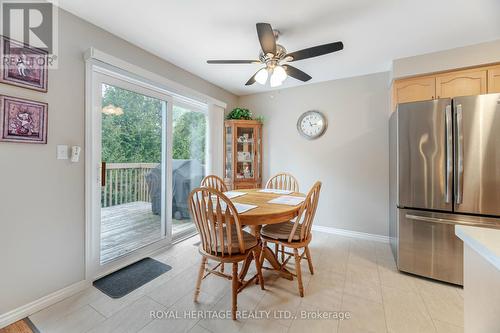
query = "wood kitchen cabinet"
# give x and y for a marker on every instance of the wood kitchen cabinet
(461, 83)
(413, 90)
(494, 80)
(243, 154)
(469, 82)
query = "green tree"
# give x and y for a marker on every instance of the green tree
(135, 136)
(189, 135)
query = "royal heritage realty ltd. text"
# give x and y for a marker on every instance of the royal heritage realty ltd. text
(255, 314)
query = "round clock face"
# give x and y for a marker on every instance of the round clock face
(311, 124)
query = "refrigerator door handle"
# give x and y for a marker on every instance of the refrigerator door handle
(449, 153)
(460, 155)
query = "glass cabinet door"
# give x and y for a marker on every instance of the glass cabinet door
(258, 150)
(245, 150)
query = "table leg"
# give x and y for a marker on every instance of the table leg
(255, 230)
(269, 256)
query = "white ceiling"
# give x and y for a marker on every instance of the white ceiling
(374, 32)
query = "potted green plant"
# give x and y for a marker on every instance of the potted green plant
(239, 114)
(243, 114)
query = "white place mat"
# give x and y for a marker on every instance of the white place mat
(240, 208)
(288, 200)
(243, 208)
(233, 194)
(271, 190)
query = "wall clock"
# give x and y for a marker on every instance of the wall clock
(311, 124)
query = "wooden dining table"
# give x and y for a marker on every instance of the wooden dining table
(265, 213)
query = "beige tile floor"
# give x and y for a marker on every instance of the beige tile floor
(352, 276)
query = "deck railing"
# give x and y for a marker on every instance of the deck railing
(126, 182)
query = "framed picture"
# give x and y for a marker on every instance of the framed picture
(23, 66)
(23, 120)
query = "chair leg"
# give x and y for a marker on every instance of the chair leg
(309, 260)
(277, 250)
(258, 266)
(282, 253)
(299, 271)
(222, 268)
(235, 290)
(200, 277)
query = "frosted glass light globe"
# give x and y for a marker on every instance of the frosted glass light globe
(261, 76)
(274, 81)
(280, 73)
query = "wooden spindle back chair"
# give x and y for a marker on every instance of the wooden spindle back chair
(296, 234)
(222, 239)
(305, 218)
(215, 182)
(283, 181)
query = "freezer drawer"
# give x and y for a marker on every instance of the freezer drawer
(429, 248)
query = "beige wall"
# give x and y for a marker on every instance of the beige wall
(473, 55)
(351, 159)
(41, 198)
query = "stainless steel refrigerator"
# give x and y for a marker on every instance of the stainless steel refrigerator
(444, 171)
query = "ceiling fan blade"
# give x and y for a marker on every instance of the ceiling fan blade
(233, 61)
(315, 51)
(266, 38)
(297, 73)
(252, 79)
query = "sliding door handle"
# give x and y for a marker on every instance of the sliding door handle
(103, 174)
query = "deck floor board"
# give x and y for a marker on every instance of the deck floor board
(130, 226)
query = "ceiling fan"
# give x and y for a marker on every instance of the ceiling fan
(273, 55)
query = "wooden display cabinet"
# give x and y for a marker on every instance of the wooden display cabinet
(243, 154)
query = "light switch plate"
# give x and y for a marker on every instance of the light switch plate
(62, 152)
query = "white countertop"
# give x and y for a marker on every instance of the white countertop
(485, 241)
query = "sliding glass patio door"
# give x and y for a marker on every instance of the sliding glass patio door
(146, 151)
(133, 169)
(132, 153)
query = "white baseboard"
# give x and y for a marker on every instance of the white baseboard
(350, 233)
(41, 303)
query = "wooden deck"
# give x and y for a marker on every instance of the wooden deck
(130, 226)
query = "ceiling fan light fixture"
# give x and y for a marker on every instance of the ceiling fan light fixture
(273, 55)
(275, 81)
(261, 76)
(279, 73)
